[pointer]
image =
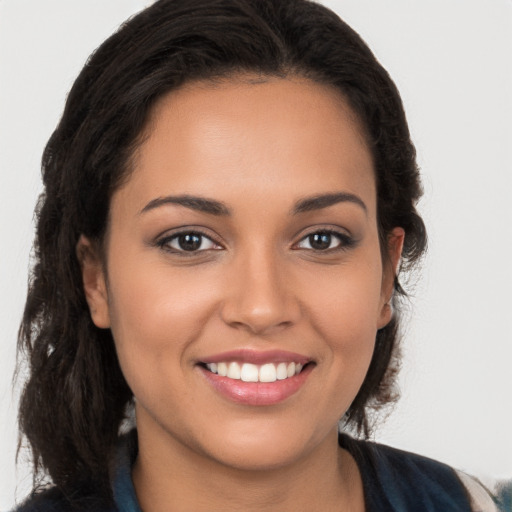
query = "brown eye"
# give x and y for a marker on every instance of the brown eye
(326, 240)
(321, 241)
(189, 241)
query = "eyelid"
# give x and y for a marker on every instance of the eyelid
(345, 238)
(165, 238)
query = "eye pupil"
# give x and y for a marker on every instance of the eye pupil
(189, 241)
(320, 241)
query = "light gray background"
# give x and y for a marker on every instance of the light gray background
(451, 59)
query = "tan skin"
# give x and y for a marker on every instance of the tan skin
(254, 281)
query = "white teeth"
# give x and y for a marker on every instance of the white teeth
(222, 369)
(234, 371)
(268, 373)
(249, 372)
(281, 371)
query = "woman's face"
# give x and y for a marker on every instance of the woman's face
(246, 242)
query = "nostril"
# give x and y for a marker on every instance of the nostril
(260, 320)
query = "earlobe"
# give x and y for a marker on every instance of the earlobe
(395, 243)
(94, 282)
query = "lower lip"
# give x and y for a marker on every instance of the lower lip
(257, 393)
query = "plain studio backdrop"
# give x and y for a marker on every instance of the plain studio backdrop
(452, 61)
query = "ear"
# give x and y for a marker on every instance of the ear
(94, 281)
(395, 243)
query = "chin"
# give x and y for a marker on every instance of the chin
(262, 447)
(259, 457)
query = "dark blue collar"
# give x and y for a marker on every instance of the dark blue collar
(122, 484)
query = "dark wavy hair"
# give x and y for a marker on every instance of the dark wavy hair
(76, 397)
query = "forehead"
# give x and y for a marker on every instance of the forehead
(289, 137)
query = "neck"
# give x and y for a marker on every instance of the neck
(170, 476)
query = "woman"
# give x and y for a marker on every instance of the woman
(229, 202)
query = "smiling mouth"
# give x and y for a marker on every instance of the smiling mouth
(248, 372)
(255, 378)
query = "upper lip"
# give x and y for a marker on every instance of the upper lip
(257, 357)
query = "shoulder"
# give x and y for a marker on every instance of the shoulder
(85, 497)
(394, 479)
(54, 500)
(482, 499)
(504, 495)
(49, 500)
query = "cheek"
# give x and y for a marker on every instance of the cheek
(156, 313)
(155, 321)
(344, 310)
(346, 300)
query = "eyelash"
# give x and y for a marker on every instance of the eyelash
(164, 242)
(345, 242)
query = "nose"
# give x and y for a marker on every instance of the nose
(260, 297)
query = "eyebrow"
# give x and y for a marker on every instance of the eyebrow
(213, 207)
(325, 200)
(201, 204)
